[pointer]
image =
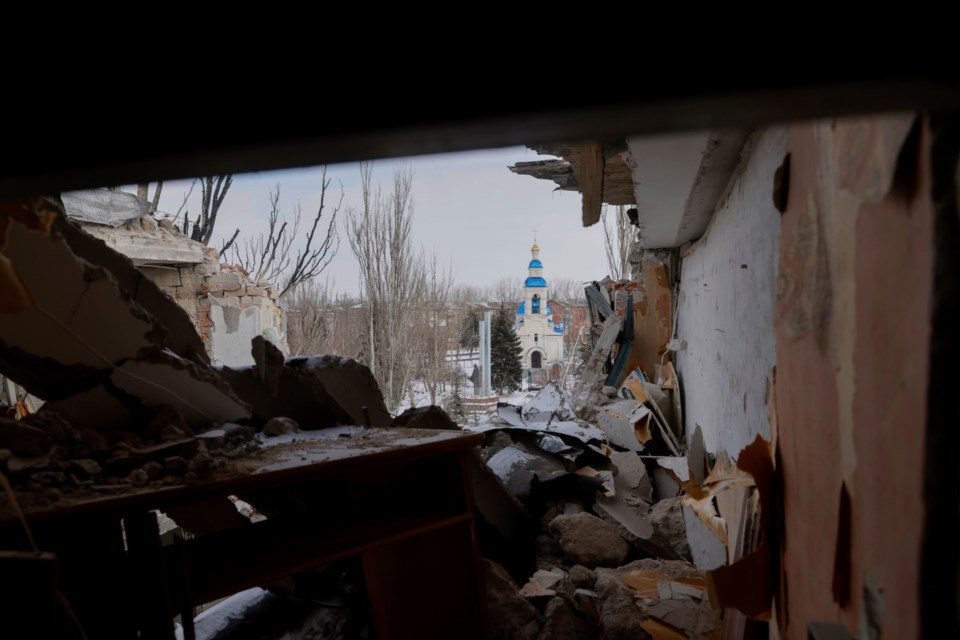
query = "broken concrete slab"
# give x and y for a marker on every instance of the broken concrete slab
(98, 409)
(517, 466)
(317, 392)
(181, 335)
(619, 613)
(589, 541)
(61, 344)
(194, 390)
(350, 383)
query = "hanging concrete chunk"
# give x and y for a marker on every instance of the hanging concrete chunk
(195, 391)
(181, 335)
(80, 323)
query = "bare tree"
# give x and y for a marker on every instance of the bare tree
(278, 256)
(566, 289)
(507, 291)
(618, 234)
(321, 321)
(392, 275)
(143, 191)
(213, 189)
(437, 329)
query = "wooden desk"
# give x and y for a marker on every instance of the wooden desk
(399, 498)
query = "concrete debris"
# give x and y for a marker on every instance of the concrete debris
(551, 404)
(181, 335)
(429, 417)
(194, 390)
(511, 616)
(518, 467)
(279, 426)
(60, 344)
(317, 392)
(589, 541)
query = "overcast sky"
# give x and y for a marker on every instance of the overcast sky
(469, 207)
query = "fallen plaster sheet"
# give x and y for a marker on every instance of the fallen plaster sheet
(102, 206)
(747, 585)
(634, 388)
(707, 549)
(631, 472)
(80, 324)
(665, 484)
(194, 390)
(625, 424)
(677, 466)
(552, 403)
(618, 510)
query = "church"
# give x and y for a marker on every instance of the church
(540, 337)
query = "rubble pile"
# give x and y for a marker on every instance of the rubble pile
(610, 553)
(627, 514)
(131, 399)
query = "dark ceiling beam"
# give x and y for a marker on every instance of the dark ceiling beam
(123, 147)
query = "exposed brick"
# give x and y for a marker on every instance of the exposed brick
(253, 291)
(246, 300)
(225, 282)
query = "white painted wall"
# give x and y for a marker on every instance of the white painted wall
(726, 311)
(234, 329)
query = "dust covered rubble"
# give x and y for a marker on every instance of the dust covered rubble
(608, 555)
(131, 401)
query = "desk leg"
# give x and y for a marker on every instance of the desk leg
(428, 586)
(148, 576)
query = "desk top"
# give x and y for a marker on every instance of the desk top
(283, 460)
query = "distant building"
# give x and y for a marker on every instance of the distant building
(540, 336)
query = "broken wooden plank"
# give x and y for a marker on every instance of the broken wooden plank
(589, 173)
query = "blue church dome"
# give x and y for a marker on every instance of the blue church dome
(535, 281)
(535, 264)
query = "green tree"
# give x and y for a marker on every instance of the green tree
(505, 352)
(454, 405)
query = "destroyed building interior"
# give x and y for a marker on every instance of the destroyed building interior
(763, 441)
